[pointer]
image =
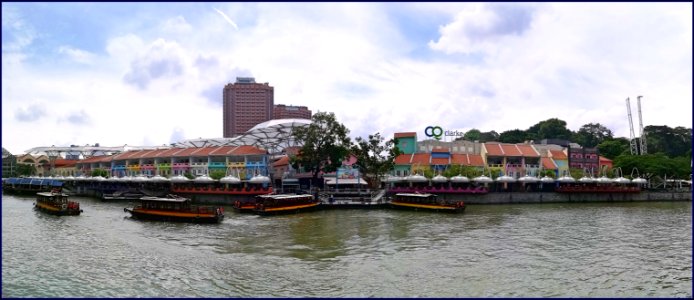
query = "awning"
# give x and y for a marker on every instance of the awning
(331, 181)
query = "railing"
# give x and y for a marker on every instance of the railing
(444, 190)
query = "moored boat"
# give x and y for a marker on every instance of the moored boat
(425, 202)
(244, 205)
(285, 203)
(175, 208)
(56, 203)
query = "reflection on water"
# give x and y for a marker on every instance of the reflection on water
(547, 250)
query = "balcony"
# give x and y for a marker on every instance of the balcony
(236, 164)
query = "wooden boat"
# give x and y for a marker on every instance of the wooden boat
(425, 202)
(244, 205)
(285, 203)
(56, 203)
(175, 208)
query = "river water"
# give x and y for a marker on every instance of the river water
(529, 250)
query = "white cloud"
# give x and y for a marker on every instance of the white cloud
(573, 61)
(77, 55)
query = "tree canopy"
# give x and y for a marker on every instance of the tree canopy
(375, 157)
(325, 145)
(592, 134)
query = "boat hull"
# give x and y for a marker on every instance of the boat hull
(57, 211)
(283, 210)
(427, 207)
(175, 216)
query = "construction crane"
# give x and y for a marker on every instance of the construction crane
(632, 138)
(642, 133)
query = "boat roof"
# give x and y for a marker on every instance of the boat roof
(50, 194)
(415, 195)
(284, 196)
(162, 199)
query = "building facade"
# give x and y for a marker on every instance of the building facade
(281, 111)
(246, 104)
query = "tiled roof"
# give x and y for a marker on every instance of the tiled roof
(404, 134)
(283, 161)
(222, 151)
(528, 150)
(511, 150)
(159, 153)
(476, 160)
(548, 163)
(557, 154)
(125, 155)
(439, 161)
(460, 159)
(421, 159)
(65, 162)
(144, 154)
(604, 159)
(247, 150)
(205, 151)
(493, 149)
(186, 152)
(402, 159)
(96, 159)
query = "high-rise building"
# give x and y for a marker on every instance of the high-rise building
(282, 111)
(246, 104)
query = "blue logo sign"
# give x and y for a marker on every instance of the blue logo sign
(434, 131)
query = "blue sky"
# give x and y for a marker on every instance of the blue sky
(147, 74)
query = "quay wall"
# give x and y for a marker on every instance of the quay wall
(552, 197)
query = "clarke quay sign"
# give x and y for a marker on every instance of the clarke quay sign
(437, 132)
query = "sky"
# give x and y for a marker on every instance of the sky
(151, 74)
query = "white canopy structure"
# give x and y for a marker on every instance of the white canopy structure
(273, 135)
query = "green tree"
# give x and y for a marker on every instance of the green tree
(489, 136)
(189, 175)
(671, 141)
(375, 157)
(99, 172)
(657, 164)
(513, 136)
(325, 145)
(614, 147)
(576, 173)
(472, 135)
(25, 170)
(592, 134)
(550, 129)
(217, 174)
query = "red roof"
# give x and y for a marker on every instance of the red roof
(493, 149)
(548, 163)
(440, 150)
(604, 159)
(247, 150)
(439, 161)
(476, 160)
(511, 150)
(421, 159)
(186, 152)
(402, 159)
(558, 154)
(65, 162)
(96, 159)
(157, 153)
(404, 134)
(283, 161)
(126, 155)
(528, 150)
(221, 151)
(460, 159)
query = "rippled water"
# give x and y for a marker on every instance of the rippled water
(547, 250)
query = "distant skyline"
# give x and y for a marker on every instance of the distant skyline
(147, 74)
